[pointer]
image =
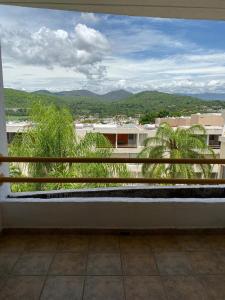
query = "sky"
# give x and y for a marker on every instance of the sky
(60, 50)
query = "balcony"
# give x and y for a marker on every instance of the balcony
(120, 243)
(116, 208)
(119, 141)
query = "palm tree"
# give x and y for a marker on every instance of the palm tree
(53, 135)
(176, 143)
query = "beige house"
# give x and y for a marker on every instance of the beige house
(209, 119)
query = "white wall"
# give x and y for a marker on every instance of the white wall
(4, 189)
(114, 213)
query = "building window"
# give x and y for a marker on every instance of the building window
(214, 141)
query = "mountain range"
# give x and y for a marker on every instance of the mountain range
(113, 95)
(19, 102)
(122, 94)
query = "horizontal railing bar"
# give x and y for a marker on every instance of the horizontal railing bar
(110, 180)
(110, 160)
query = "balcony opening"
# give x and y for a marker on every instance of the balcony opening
(120, 78)
(114, 139)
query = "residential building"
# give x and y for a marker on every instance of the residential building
(128, 139)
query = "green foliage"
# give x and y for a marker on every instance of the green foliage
(155, 102)
(53, 135)
(23, 100)
(141, 103)
(178, 143)
(150, 117)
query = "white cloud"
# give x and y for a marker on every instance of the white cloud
(126, 52)
(82, 51)
(139, 40)
(89, 18)
(179, 74)
(176, 74)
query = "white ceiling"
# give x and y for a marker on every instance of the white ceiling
(188, 9)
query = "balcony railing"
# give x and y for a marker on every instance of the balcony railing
(6, 179)
(214, 146)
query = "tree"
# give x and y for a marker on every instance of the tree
(53, 135)
(163, 114)
(148, 118)
(176, 143)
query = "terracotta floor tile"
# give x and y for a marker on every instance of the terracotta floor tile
(139, 264)
(207, 263)
(164, 243)
(134, 244)
(214, 286)
(7, 261)
(63, 288)
(104, 243)
(196, 272)
(68, 264)
(216, 242)
(193, 242)
(104, 264)
(33, 263)
(3, 280)
(22, 288)
(184, 288)
(39, 243)
(73, 243)
(144, 288)
(104, 288)
(173, 263)
(12, 243)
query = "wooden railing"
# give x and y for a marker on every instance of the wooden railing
(6, 159)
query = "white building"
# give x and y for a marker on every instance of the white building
(128, 139)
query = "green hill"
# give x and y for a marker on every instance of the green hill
(113, 95)
(156, 101)
(19, 102)
(21, 99)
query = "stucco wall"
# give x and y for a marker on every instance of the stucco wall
(114, 213)
(4, 189)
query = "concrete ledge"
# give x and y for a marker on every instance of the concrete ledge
(152, 191)
(114, 213)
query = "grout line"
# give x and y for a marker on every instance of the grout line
(122, 276)
(47, 273)
(86, 267)
(153, 275)
(160, 277)
(122, 269)
(19, 256)
(8, 275)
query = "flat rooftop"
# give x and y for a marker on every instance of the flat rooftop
(106, 128)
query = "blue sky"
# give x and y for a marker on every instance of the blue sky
(58, 50)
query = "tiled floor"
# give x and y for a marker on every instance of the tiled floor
(112, 267)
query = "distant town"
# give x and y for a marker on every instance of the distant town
(127, 139)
